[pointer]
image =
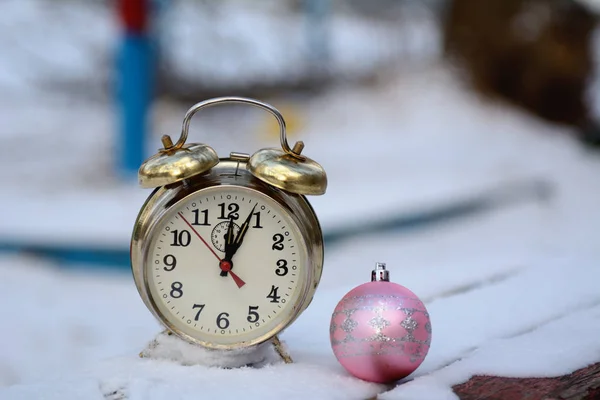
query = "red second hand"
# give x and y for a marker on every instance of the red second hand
(197, 234)
(238, 281)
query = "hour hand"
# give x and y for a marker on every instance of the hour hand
(230, 245)
(229, 236)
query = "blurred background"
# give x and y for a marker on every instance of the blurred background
(459, 137)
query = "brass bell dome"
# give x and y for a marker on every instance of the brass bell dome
(173, 164)
(290, 172)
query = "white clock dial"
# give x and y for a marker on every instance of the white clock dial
(211, 295)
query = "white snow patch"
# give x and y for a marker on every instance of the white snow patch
(171, 347)
(553, 349)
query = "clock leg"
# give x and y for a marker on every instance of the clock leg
(281, 351)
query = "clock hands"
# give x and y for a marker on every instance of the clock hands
(230, 249)
(223, 264)
(233, 244)
(226, 266)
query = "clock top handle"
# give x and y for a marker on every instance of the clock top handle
(294, 152)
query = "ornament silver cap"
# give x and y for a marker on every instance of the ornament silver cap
(380, 274)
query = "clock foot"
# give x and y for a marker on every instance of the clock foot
(285, 356)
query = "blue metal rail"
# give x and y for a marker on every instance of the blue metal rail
(460, 210)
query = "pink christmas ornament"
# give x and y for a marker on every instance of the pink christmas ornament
(380, 331)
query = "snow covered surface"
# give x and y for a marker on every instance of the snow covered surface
(513, 292)
(167, 346)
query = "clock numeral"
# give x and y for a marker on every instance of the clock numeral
(181, 238)
(176, 290)
(278, 239)
(200, 307)
(282, 268)
(170, 261)
(257, 224)
(273, 294)
(233, 209)
(252, 314)
(198, 217)
(222, 321)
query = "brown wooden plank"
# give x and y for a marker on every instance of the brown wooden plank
(583, 384)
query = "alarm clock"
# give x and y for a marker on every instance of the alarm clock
(227, 252)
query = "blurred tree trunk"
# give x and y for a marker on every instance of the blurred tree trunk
(533, 53)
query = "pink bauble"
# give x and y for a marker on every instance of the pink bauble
(380, 331)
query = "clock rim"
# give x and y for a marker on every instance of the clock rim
(228, 173)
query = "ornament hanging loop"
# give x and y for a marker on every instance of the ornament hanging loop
(294, 152)
(380, 274)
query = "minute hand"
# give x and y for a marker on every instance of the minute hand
(239, 238)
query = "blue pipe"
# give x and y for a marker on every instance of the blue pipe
(135, 75)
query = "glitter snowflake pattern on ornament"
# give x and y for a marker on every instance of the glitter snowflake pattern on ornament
(428, 327)
(332, 328)
(348, 325)
(379, 323)
(409, 323)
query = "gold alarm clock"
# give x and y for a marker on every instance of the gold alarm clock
(228, 252)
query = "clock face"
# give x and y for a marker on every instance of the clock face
(227, 265)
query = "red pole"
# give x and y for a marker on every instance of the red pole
(134, 15)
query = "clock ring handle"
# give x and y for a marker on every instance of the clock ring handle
(294, 152)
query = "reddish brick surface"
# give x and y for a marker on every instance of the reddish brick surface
(583, 384)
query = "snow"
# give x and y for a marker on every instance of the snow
(511, 292)
(544, 351)
(538, 317)
(167, 346)
(170, 381)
